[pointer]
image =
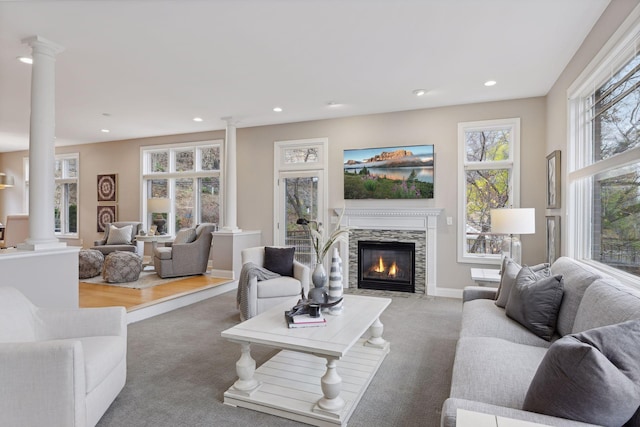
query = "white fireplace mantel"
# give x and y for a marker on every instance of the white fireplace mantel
(398, 219)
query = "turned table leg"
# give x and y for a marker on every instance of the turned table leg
(245, 367)
(331, 384)
(376, 339)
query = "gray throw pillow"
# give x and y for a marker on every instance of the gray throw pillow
(535, 300)
(119, 236)
(510, 270)
(593, 377)
(279, 260)
(186, 235)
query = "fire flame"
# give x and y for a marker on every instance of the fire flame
(380, 267)
(393, 270)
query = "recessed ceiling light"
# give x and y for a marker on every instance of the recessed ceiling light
(25, 59)
(490, 83)
(105, 130)
(277, 109)
(419, 92)
(333, 104)
(197, 119)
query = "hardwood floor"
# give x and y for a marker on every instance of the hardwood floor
(92, 295)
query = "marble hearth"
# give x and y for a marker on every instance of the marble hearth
(404, 225)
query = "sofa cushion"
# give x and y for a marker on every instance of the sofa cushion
(186, 235)
(494, 371)
(279, 260)
(535, 303)
(17, 320)
(508, 273)
(119, 236)
(593, 376)
(481, 318)
(279, 287)
(577, 278)
(606, 302)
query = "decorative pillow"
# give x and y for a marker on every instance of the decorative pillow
(279, 260)
(592, 377)
(534, 302)
(509, 271)
(119, 236)
(186, 235)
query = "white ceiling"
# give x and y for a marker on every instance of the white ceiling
(154, 65)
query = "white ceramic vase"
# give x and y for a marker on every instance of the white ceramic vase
(335, 283)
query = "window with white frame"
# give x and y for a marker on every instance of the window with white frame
(603, 212)
(67, 181)
(189, 175)
(488, 178)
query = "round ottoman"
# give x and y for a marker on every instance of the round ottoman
(89, 263)
(120, 266)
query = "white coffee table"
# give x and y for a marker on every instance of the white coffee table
(294, 383)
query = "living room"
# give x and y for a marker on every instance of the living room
(544, 128)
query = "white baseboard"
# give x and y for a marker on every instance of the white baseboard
(449, 293)
(175, 303)
(226, 274)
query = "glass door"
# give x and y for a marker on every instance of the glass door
(299, 197)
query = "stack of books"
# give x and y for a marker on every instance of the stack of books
(304, 320)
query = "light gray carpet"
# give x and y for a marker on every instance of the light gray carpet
(179, 367)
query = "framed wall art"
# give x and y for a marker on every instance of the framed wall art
(108, 188)
(553, 238)
(105, 215)
(553, 180)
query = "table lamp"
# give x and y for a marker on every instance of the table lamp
(513, 221)
(159, 206)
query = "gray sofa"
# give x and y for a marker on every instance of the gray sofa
(496, 358)
(187, 258)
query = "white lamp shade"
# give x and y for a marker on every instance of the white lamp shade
(159, 205)
(513, 221)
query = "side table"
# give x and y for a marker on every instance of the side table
(485, 276)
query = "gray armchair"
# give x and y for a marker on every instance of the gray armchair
(264, 294)
(185, 259)
(106, 248)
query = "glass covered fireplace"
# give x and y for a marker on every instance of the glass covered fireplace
(388, 266)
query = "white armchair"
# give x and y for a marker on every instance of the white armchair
(262, 295)
(59, 367)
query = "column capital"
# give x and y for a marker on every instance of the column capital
(231, 121)
(43, 45)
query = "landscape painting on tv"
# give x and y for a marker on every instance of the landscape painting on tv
(400, 172)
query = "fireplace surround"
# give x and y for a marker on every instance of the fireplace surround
(415, 225)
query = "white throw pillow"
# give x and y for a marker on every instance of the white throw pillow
(119, 236)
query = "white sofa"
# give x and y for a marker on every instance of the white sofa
(59, 367)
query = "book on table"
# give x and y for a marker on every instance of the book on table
(304, 320)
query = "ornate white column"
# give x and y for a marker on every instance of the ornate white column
(42, 146)
(230, 185)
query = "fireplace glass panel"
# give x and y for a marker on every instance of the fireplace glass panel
(386, 266)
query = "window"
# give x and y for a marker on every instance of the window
(65, 193)
(489, 178)
(603, 212)
(187, 174)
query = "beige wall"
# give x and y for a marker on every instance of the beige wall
(556, 107)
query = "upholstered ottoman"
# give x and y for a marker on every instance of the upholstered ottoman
(89, 263)
(120, 266)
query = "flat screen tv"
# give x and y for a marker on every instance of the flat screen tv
(399, 172)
